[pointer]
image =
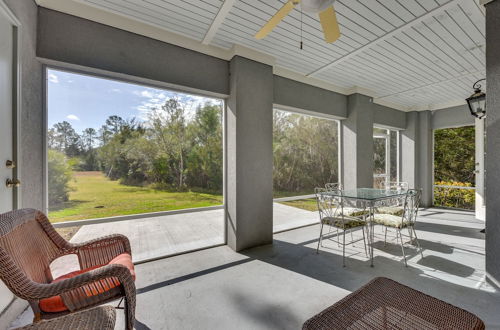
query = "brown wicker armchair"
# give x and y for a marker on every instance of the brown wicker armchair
(28, 245)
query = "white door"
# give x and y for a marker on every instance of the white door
(8, 92)
(480, 172)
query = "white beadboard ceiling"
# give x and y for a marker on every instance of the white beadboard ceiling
(412, 54)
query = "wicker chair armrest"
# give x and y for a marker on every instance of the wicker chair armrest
(33, 291)
(101, 251)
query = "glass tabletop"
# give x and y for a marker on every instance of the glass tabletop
(370, 194)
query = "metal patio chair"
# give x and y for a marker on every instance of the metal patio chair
(28, 245)
(350, 211)
(331, 213)
(406, 220)
(393, 206)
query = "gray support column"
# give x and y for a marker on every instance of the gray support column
(249, 192)
(357, 143)
(493, 141)
(409, 148)
(425, 158)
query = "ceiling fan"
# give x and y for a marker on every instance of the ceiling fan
(324, 8)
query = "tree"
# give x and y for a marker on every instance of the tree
(89, 136)
(454, 154)
(66, 139)
(59, 177)
(168, 128)
(104, 135)
(205, 156)
(114, 124)
(305, 152)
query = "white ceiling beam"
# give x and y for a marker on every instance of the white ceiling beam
(482, 72)
(410, 24)
(218, 20)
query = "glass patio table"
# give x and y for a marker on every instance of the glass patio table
(367, 198)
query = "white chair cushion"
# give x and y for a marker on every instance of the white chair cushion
(345, 223)
(394, 210)
(390, 220)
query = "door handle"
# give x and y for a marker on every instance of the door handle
(11, 183)
(10, 164)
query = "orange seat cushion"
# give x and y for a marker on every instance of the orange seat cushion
(56, 304)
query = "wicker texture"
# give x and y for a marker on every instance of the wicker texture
(29, 243)
(98, 318)
(386, 304)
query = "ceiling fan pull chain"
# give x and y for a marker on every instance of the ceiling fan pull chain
(301, 42)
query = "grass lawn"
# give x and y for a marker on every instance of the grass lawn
(98, 197)
(305, 204)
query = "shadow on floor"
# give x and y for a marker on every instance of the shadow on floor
(446, 266)
(269, 316)
(450, 230)
(186, 277)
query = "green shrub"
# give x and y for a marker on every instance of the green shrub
(60, 174)
(454, 197)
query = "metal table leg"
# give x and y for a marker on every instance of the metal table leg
(372, 232)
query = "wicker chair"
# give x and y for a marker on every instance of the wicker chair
(28, 245)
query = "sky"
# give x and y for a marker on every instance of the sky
(86, 101)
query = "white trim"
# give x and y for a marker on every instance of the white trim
(86, 222)
(410, 24)
(438, 106)
(252, 54)
(218, 20)
(9, 14)
(431, 84)
(484, 2)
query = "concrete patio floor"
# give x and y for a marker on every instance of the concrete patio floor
(168, 235)
(279, 286)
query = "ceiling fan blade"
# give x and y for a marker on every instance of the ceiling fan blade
(269, 26)
(331, 28)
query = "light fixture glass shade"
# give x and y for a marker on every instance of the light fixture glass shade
(477, 104)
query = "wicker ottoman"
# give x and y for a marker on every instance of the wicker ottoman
(386, 304)
(99, 318)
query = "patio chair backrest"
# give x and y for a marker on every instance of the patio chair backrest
(26, 247)
(411, 206)
(333, 186)
(394, 185)
(330, 206)
(327, 205)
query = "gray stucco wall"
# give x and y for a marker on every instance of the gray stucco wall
(409, 150)
(388, 117)
(294, 94)
(74, 40)
(357, 143)
(425, 156)
(452, 117)
(493, 141)
(249, 134)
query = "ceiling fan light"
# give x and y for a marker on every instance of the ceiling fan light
(315, 6)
